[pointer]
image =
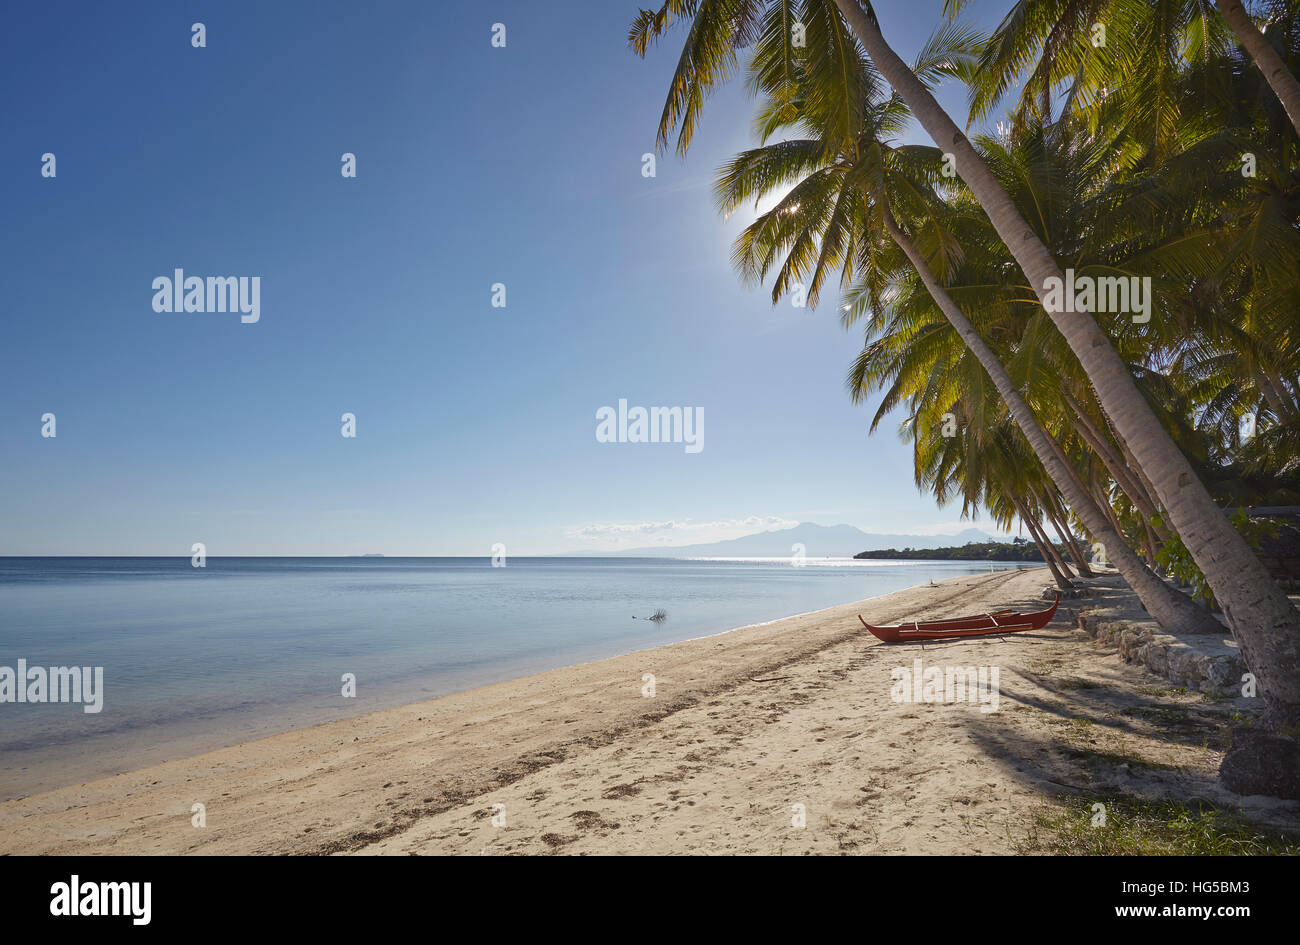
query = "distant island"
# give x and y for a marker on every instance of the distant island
(1018, 549)
(818, 541)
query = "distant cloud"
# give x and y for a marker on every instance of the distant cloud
(673, 531)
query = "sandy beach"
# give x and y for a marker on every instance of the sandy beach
(742, 727)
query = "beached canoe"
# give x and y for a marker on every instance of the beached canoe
(981, 625)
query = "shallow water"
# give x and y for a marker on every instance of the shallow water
(197, 658)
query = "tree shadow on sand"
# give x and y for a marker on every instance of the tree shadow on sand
(1149, 757)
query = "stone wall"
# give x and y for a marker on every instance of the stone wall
(1203, 663)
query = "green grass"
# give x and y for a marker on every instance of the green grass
(1095, 758)
(1175, 715)
(1138, 827)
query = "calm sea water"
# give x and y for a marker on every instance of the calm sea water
(198, 658)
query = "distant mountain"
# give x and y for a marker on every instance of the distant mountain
(819, 541)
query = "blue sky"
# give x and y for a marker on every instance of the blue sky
(476, 165)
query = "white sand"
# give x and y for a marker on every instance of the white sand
(743, 726)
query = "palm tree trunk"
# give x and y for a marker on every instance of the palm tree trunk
(1117, 468)
(1130, 481)
(1279, 77)
(1096, 506)
(1056, 551)
(1101, 505)
(1173, 610)
(1286, 397)
(1053, 513)
(1131, 463)
(1110, 513)
(1273, 397)
(1080, 488)
(1044, 547)
(1264, 621)
(1153, 548)
(1046, 555)
(1076, 550)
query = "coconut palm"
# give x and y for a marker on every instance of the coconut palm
(1265, 622)
(987, 467)
(844, 192)
(1094, 49)
(1266, 56)
(1184, 110)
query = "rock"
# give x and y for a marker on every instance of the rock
(1262, 763)
(1130, 644)
(1194, 661)
(1223, 674)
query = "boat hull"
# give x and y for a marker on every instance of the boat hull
(982, 625)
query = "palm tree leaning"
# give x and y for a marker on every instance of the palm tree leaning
(1172, 609)
(1280, 79)
(842, 194)
(1051, 41)
(984, 462)
(1266, 624)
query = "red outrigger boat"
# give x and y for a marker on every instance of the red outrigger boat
(985, 625)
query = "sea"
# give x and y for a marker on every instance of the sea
(199, 658)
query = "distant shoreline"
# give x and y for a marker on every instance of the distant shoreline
(1019, 551)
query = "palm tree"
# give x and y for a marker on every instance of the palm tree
(987, 466)
(1181, 112)
(1171, 609)
(1054, 44)
(1264, 621)
(844, 191)
(1281, 79)
(1266, 624)
(1049, 504)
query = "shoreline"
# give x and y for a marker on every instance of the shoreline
(742, 725)
(51, 755)
(203, 740)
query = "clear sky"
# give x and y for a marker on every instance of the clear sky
(475, 165)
